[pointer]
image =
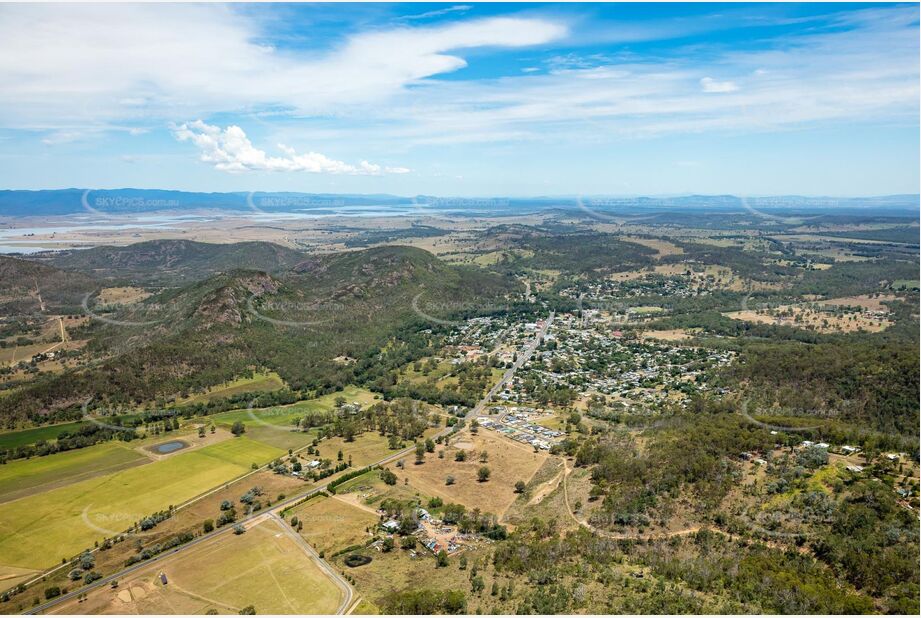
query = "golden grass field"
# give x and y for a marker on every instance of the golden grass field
(332, 523)
(508, 462)
(662, 248)
(121, 296)
(263, 567)
(675, 334)
(803, 316)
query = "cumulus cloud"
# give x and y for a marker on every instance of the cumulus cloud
(230, 150)
(711, 85)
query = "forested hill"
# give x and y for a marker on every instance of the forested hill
(172, 262)
(30, 287)
(296, 322)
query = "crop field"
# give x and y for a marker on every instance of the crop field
(24, 437)
(508, 462)
(331, 524)
(28, 476)
(39, 530)
(264, 568)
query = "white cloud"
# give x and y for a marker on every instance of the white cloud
(458, 8)
(74, 65)
(708, 84)
(229, 150)
(80, 69)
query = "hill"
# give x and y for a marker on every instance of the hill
(172, 262)
(358, 305)
(30, 287)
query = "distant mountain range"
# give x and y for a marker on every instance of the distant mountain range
(19, 203)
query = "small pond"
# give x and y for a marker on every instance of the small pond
(168, 447)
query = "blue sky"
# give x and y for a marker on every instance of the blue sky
(463, 99)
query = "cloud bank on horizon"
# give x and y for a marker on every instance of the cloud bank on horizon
(463, 98)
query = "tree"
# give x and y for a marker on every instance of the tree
(388, 476)
(208, 526)
(429, 446)
(239, 529)
(449, 480)
(460, 455)
(238, 428)
(441, 560)
(483, 473)
(474, 427)
(408, 542)
(484, 457)
(201, 431)
(519, 487)
(420, 453)
(249, 610)
(477, 584)
(387, 544)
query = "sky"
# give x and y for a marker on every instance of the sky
(472, 99)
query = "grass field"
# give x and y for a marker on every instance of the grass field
(39, 530)
(263, 567)
(258, 383)
(13, 439)
(508, 462)
(396, 571)
(26, 476)
(804, 317)
(273, 425)
(331, 524)
(367, 448)
(121, 296)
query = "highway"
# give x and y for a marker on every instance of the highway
(281, 506)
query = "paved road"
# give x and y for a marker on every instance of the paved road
(347, 592)
(524, 357)
(281, 506)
